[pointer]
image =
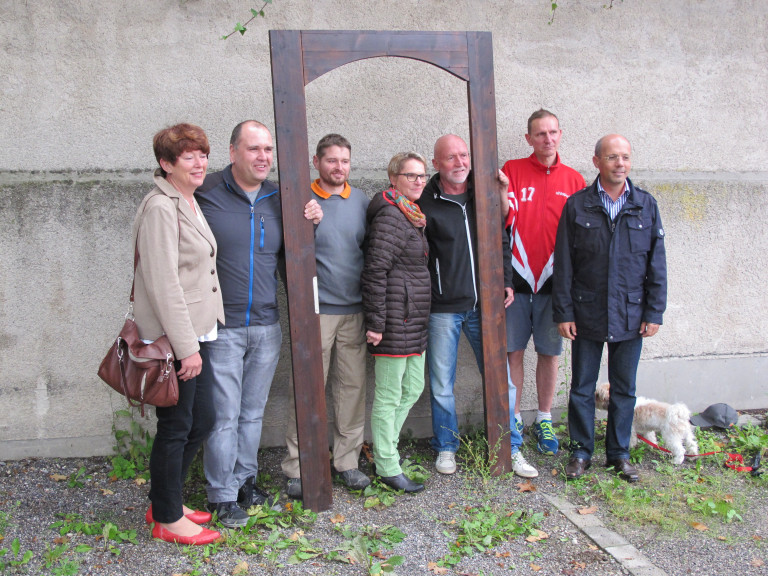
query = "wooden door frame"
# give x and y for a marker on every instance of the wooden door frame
(299, 57)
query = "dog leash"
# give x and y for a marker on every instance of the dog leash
(734, 461)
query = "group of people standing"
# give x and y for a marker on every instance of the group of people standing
(396, 274)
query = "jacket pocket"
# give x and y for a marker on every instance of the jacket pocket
(639, 234)
(192, 296)
(635, 310)
(406, 301)
(587, 233)
(586, 308)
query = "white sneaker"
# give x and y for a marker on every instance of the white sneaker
(446, 462)
(521, 467)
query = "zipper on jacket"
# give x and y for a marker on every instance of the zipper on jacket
(469, 245)
(261, 233)
(250, 268)
(439, 280)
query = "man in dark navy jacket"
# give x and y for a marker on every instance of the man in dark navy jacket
(609, 286)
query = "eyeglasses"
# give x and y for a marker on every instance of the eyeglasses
(411, 177)
(615, 157)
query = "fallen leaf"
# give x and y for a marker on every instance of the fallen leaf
(289, 506)
(433, 567)
(503, 554)
(579, 565)
(757, 538)
(699, 526)
(526, 487)
(451, 505)
(337, 519)
(756, 563)
(728, 498)
(296, 535)
(58, 477)
(129, 508)
(593, 547)
(539, 535)
(106, 492)
(723, 538)
(241, 568)
(584, 511)
(554, 472)
(535, 567)
(139, 481)
(379, 555)
(61, 540)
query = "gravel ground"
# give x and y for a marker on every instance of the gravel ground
(31, 499)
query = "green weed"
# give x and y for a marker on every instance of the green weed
(480, 459)
(747, 439)
(132, 446)
(484, 527)
(75, 480)
(364, 547)
(73, 523)
(16, 558)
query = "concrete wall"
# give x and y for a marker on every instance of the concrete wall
(84, 85)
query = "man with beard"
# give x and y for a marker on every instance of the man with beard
(339, 257)
(448, 202)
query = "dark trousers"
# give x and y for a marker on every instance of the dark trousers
(623, 358)
(181, 430)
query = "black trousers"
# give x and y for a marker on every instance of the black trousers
(181, 430)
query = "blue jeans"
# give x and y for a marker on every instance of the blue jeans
(442, 354)
(623, 358)
(238, 366)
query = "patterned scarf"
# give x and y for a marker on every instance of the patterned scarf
(411, 210)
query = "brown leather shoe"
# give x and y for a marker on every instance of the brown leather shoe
(624, 469)
(576, 467)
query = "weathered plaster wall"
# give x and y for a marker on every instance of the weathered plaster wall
(84, 86)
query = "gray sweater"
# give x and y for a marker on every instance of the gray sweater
(339, 252)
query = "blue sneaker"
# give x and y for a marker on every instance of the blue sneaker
(545, 436)
(519, 425)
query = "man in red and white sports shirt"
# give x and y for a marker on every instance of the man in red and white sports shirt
(538, 188)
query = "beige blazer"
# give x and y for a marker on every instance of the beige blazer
(177, 288)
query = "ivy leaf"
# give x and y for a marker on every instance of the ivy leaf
(254, 12)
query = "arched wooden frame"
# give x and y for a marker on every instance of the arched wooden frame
(300, 56)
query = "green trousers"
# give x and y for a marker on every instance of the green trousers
(399, 383)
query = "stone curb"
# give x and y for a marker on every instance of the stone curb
(630, 558)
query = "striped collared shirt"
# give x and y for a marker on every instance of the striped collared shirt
(613, 207)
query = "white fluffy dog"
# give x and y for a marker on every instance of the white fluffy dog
(652, 416)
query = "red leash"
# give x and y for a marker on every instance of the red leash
(731, 462)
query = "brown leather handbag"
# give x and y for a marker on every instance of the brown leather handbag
(143, 373)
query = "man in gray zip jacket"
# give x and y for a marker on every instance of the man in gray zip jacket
(243, 210)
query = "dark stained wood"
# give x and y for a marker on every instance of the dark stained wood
(306, 351)
(298, 58)
(326, 50)
(482, 128)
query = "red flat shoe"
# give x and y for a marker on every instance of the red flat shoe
(196, 516)
(204, 537)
